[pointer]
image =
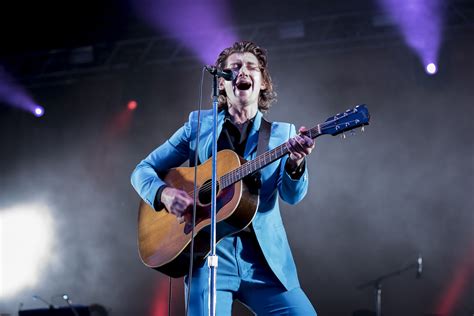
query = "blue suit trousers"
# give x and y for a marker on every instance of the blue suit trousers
(243, 274)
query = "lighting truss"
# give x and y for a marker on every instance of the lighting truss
(324, 33)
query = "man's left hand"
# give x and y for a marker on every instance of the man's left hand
(299, 146)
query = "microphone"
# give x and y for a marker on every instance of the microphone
(226, 74)
(419, 267)
(39, 298)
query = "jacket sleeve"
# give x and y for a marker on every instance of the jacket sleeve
(291, 190)
(172, 153)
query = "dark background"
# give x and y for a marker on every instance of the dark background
(376, 200)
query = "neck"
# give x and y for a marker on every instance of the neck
(241, 114)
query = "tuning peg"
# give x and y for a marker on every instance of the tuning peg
(362, 129)
(343, 135)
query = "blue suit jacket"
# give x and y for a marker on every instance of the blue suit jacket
(267, 224)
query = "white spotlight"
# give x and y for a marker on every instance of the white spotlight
(431, 68)
(26, 239)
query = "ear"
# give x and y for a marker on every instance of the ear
(263, 85)
(221, 84)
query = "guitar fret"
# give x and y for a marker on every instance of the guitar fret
(253, 165)
(262, 160)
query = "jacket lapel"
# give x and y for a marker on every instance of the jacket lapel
(205, 152)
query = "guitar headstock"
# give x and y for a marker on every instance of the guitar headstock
(346, 121)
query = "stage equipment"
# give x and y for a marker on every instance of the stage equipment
(69, 303)
(377, 283)
(60, 311)
(431, 68)
(226, 74)
(132, 105)
(39, 298)
(38, 111)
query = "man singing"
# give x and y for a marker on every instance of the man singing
(256, 266)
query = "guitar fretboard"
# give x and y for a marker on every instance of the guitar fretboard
(262, 160)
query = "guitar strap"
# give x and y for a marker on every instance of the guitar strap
(263, 136)
(254, 181)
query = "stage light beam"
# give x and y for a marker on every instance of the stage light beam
(26, 239)
(13, 94)
(421, 24)
(203, 27)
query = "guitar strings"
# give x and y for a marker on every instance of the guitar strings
(246, 168)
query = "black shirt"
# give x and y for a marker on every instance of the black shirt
(232, 137)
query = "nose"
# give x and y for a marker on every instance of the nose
(243, 71)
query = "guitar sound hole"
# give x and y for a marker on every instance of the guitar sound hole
(205, 194)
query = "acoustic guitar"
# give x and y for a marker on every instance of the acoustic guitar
(164, 244)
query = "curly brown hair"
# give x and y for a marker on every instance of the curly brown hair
(267, 96)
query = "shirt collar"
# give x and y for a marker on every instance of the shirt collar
(228, 118)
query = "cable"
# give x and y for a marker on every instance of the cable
(191, 257)
(169, 298)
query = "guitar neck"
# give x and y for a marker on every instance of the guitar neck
(262, 160)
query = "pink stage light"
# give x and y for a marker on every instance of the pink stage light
(132, 105)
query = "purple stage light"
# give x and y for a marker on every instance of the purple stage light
(420, 22)
(204, 27)
(12, 94)
(431, 68)
(39, 111)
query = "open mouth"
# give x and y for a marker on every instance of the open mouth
(243, 85)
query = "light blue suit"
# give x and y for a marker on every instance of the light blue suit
(267, 223)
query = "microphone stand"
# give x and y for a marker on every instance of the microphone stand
(68, 302)
(377, 285)
(39, 298)
(212, 258)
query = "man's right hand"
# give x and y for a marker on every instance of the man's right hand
(178, 203)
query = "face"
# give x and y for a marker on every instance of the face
(243, 91)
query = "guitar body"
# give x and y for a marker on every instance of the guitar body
(164, 244)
